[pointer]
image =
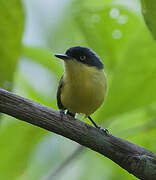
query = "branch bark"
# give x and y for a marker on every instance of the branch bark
(135, 159)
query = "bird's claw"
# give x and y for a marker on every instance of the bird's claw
(103, 130)
(61, 113)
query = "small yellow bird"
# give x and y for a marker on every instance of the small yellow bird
(82, 88)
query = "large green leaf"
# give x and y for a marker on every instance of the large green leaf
(17, 142)
(133, 82)
(108, 31)
(11, 30)
(149, 13)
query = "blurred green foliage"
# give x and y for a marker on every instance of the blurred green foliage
(133, 82)
(120, 37)
(11, 31)
(108, 29)
(16, 141)
(149, 13)
(43, 57)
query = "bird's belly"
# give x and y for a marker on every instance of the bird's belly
(83, 97)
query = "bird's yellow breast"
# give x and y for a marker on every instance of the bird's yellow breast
(84, 88)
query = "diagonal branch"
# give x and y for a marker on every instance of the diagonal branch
(66, 162)
(135, 159)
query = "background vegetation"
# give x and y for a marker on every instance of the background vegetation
(116, 30)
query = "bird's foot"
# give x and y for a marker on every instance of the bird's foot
(103, 130)
(61, 113)
(106, 132)
(71, 114)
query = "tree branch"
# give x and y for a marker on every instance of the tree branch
(135, 159)
(66, 162)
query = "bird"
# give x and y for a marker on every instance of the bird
(83, 85)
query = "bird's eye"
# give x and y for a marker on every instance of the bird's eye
(82, 58)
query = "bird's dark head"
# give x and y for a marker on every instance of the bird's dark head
(83, 55)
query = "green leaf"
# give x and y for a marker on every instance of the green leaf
(17, 142)
(133, 82)
(149, 13)
(11, 30)
(108, 31)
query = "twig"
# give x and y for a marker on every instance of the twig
(67, 161)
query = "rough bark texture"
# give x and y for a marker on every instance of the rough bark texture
(135, 159)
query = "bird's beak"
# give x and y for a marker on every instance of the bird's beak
(63, 56)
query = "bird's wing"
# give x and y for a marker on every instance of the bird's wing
(59, 103)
